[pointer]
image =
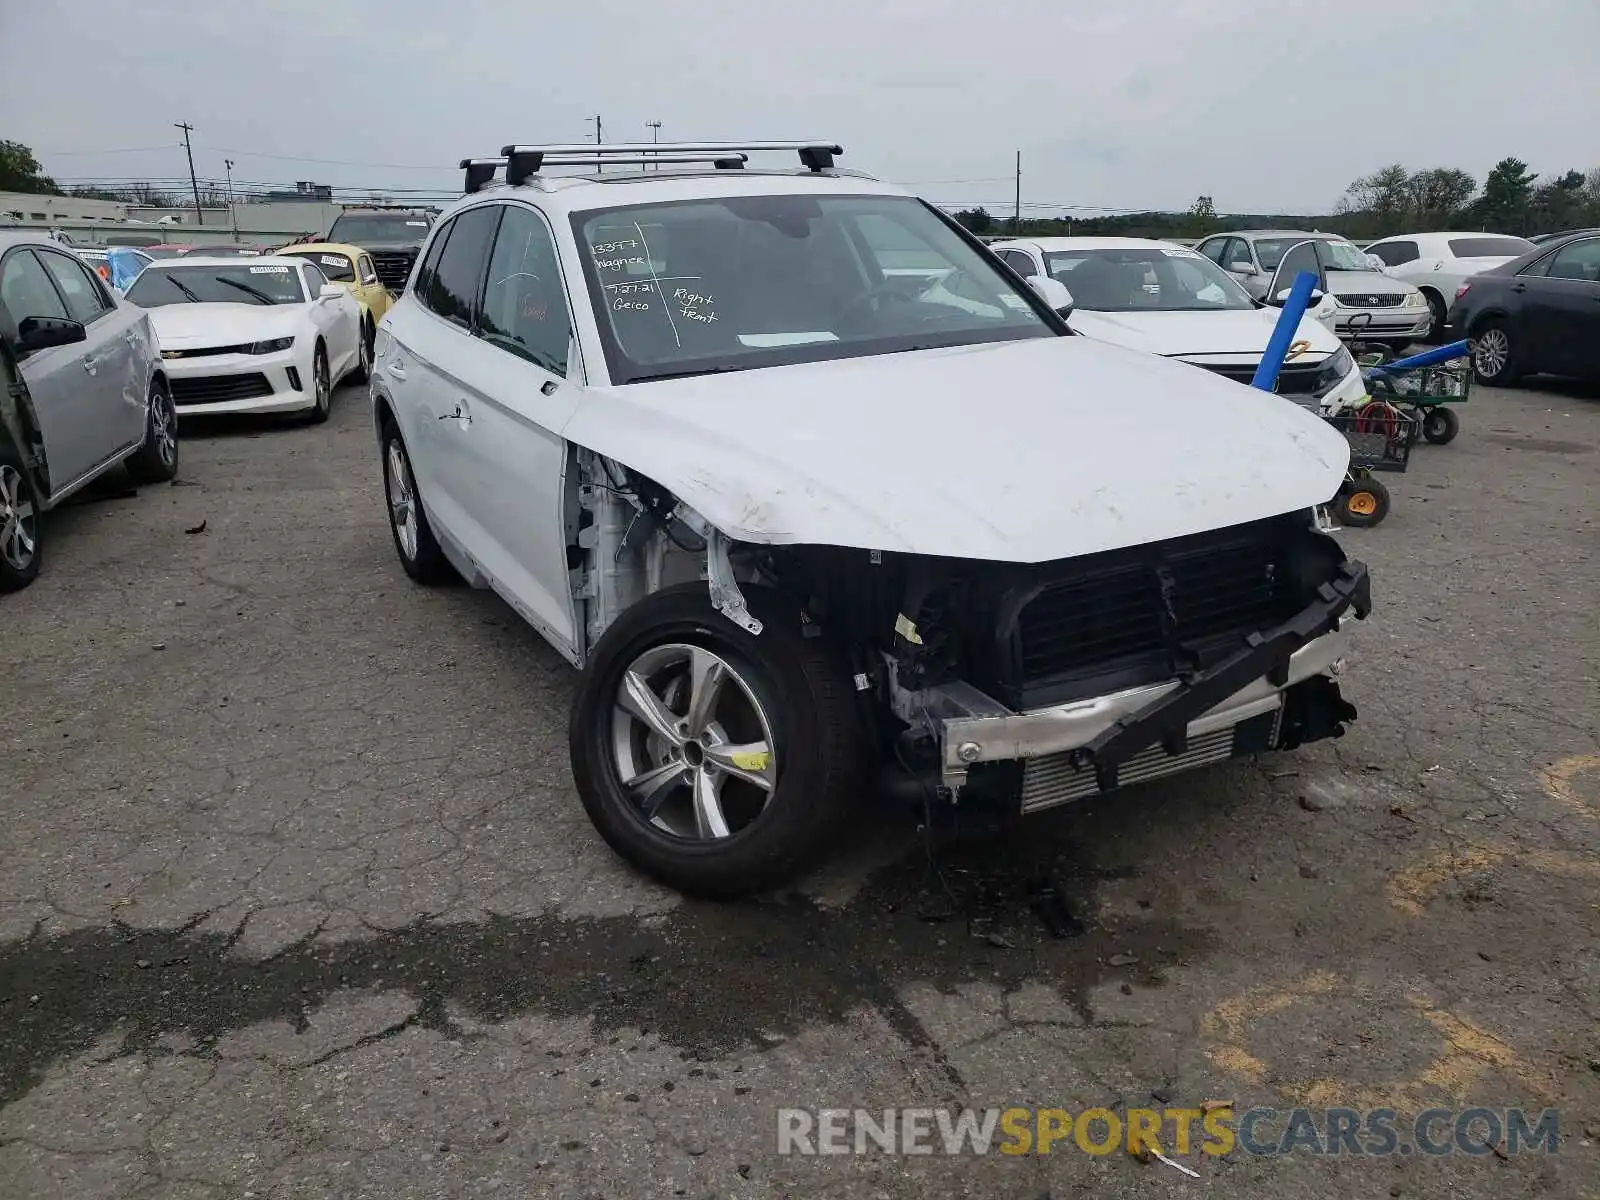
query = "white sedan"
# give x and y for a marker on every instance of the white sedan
(1439, 263)
(1169, 300)
(259, 335)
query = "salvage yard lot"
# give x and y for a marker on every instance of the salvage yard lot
(296, 897)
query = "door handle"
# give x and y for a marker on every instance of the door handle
(1519, 287)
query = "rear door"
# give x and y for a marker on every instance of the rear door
(63, 381)
(116, 339)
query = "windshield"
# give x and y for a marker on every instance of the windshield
(165, 251)
(359, 230)
(1145, 279)
(1489, 247)
(267, 284)
(731, 283)
(1342, 256)
(337, 267)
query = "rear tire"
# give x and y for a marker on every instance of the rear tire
(1494, 355)
(704, 827)
(1440, 426)
(414, 542)
(1362, 503)
(362, 371)
(21, 548)
(157, 460)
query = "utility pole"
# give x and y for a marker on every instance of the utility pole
(193, 182)
(596, 119)
(233, 215)
(655, 134)
(1016, 221)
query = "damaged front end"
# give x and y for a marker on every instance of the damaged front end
(1034, 685)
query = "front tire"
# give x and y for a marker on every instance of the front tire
(362, 371)
(21, 550)
(1436, 310)
(1494, 355)
(715, 761)
(1440, 426)
(321, 387)
(157, 460)
(414, 542)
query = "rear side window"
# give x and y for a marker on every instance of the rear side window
(1213, 249)
(1489, 247)
(86, 301)
(430, 265)
(452, 288)
(1397, 253)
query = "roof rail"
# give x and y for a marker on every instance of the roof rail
(480, 171)
(524, 161)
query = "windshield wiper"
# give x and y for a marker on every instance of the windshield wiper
(245, 287)
(173, 280)
(684, 374)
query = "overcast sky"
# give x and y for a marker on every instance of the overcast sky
(1265, 105)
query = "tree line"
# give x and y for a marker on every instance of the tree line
(1513, 199)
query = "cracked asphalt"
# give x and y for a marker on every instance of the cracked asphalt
(296, 899)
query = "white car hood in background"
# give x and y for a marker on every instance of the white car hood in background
(1362, 283)
(182, 326)
(1016, 451)
(1237, 335)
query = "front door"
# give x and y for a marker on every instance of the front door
(117, 336)
(1561, 311)
(69, 390)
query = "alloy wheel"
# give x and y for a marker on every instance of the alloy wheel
(1491, 351)
(18, 520)
(692, 743)
(324, 388)
(164, 427)
(402, 500)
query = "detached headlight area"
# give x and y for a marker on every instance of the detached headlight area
(269, 347)
(1334, 369)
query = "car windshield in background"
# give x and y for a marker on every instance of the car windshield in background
(164, 251)
(272, 283)
(1145, 279)
(1342, 256)
(1489, 247)
(337, 267)
(726, 284)
(359, 231)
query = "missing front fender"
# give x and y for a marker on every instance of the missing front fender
(726, 597)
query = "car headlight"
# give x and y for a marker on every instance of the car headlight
(1333, 371)
(1415, 300)
(271, 347)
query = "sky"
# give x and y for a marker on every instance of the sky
(1264, 105)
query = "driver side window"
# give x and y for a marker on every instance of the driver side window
(27, 290)
(1299, 258)
(524, 302)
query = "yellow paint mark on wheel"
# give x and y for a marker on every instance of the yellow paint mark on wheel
(750, 760)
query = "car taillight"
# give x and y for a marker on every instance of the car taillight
(1463, 290)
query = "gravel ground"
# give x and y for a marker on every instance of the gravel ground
(296, 898)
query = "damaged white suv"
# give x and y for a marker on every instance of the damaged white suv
(824, 499)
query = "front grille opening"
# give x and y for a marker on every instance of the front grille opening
(217, 389)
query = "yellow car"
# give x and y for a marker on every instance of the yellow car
(350, 267)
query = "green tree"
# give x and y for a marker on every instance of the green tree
(977, 220)
(1380, 202)
(1507, 193)
(1437, 195)
(1559, 203)
(20, 171)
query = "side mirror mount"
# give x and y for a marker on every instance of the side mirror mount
(44, 333)
(1240, 267)
(330, 291)
(1053, 292)
(1376, 263)
(1282, 298)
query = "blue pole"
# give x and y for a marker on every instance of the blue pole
(1428, 357)
(1283, 334)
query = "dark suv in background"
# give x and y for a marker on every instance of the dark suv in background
(393, 236)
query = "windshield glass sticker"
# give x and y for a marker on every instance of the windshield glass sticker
(276, 270)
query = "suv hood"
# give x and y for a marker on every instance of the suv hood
(182, 326)
(1016, 451)
(1240, 334)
